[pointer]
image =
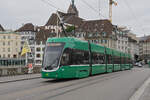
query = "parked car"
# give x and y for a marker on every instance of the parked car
(136, 64)
(139, 64)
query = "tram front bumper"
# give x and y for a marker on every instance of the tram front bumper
(50, 74)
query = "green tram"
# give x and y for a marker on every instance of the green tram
(72, 58)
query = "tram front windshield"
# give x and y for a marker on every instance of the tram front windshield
(52, 55)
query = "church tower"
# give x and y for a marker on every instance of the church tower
(72, 9)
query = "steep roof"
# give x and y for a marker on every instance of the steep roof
(43, 34)
(52, 20)
(26, 27)
(1, 28)
(99, 26)
(71, 17)
(66, 17)
(73, 10)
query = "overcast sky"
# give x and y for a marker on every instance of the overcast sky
(131, 13)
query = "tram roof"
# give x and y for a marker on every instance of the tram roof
(65, 39)
(83, 45)
(71, 42)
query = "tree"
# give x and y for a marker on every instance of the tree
(70, 29)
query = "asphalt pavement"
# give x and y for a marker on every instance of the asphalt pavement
(6, 79)
(112, 86)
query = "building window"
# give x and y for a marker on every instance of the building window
(3, 43)
(104, 34)
(8, 37)
(4, 37)
(3, 55)
(43, 49)
(38, 61)
(38, 55)
(38, 49)
(16, 50)
(8, 49)
(14, 56)
(101, 41)
(16, 43)
(8, 55)
(8, 42)
(105, 41)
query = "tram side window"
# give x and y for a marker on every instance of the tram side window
(116, 60)
(79, 57)
(122, 60)
(119, 60)
(127, 61)
(98, 58)
(114, 57)
(109, 59)
(74, 57)
(65, 60)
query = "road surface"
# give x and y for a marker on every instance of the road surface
(112, 86)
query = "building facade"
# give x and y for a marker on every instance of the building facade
(97, 31)
(133, 45)
(40, 42)
(122, 43)
(122, 39)
(27, 33)
(39, 51)
(144, 48)
(133, 48)
(10, 43)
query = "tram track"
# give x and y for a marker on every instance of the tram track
(41, 89)
(74, 86)
(49, 89)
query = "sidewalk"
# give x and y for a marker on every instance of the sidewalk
(146, 94)
(146, 66)
(7, 79)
